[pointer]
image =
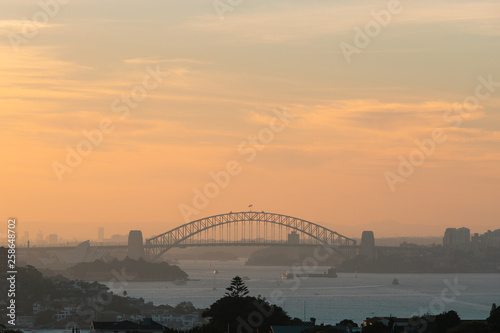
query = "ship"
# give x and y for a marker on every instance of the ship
(330, 273)
(287, 276)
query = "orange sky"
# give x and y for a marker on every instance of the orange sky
(204, 84)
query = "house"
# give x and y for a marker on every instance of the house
(395, 325)
(62, 315)
(25, 321)
(39, 307)
(147, 325)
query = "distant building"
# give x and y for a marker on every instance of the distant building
(100, 234)
(456, 238)
(487, 241)
(293, 238)
(52, 238)
(83, 252)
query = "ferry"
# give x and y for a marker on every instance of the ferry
(330, 273)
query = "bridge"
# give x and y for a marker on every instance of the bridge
(249, 228)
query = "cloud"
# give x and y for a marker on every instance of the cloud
(159, 60)
(23, 26)
(283, 22)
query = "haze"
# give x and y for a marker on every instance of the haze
(226, 80)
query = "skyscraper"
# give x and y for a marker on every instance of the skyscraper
(100, 234)
(456, 238)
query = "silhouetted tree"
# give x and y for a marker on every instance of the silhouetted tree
(376, 327)
(237, 288)
(348, 323)
(184, 308)
(472, 327)
(494, 318)
(445, 321)
(44, 318)
(241, 313)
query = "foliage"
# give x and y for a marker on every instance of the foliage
(494, 318)
(140, 270)
(4, 329)
(240, 312)
(184, 308)
(472, 327)
(348, 323)
(376, 327)
(44, 318)
(237, 288)
(322, 329)
(445, 321)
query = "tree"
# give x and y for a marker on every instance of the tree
(494, 318)
(237, 288)
(45, 318)
(377, 327)
(348, 323)
(445, 321)
(184, 308)
(238, 312)
(472, 327)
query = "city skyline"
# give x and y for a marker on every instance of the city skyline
(381, 114)
(42, 237)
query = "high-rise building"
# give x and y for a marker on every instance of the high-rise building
(100, 234)
(456, 238)
(488, 240)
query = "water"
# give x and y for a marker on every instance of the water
(331, 300)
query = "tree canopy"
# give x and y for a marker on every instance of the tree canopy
(237, 288)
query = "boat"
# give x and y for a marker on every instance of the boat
(287, 276)
(245, 278)
(330, 273)
(180, 282)
(395, 282)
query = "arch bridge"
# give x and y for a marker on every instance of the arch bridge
(249, 228)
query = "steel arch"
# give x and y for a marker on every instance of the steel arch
(158, 245)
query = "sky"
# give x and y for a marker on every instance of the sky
(351, 114)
